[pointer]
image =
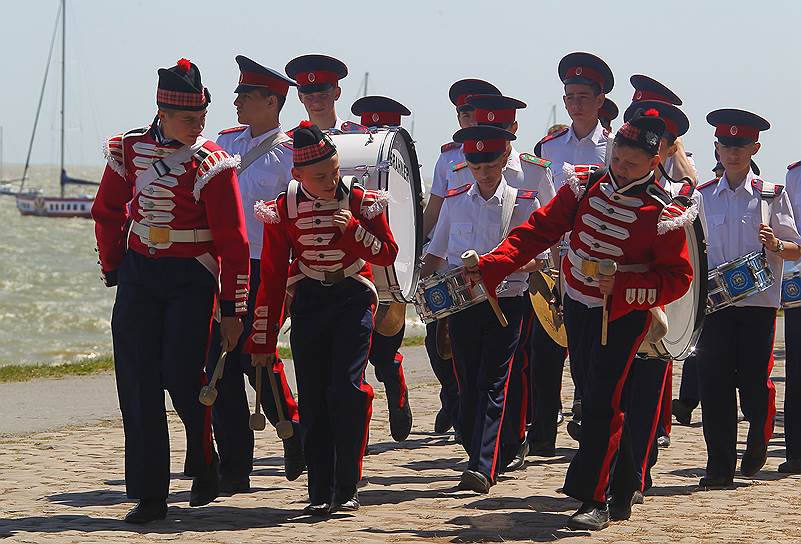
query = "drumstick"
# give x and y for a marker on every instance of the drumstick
(284, 428)
(257, 420)
(607, 267)
(470, 260)
(208, 393)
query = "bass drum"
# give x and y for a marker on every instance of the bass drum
(685, 316)
(385, 159)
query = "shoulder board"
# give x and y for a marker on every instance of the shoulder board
(459, 166)
(553, 136)
(707, 184)
(687, 189)
(533, 159)
(766, 189)
(449, 146)
(351, 127)
(678, 213)
(529, 195)
(581, 176)
(658, 193)
(458, 190)
(136, 131)
(794, 165)
(233, 130)
(112, 151)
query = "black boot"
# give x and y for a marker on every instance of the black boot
(473, 480)
(574, 430)
(443, 421)
(754, 459)
(147, 510)
(206, 486)
(791, 466)
(590, 517)
(400, 414)
(294, 462)
(682, 412)
(318, 510)
(519, 459)
(620, 506)
(231, 486)
(710, 483)
(346, 504)
(544, 448)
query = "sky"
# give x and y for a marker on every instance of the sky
(712, 53)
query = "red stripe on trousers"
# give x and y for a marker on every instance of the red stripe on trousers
(401, 379)
(503, 411)
(654, 425)
(290, 406)
(616, 424)
(768, 430)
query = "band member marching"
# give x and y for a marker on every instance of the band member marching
(333, 229)
(478, 215)
(390, 325)
(317, 78)
(735, 352)
(264, 172)
(170, 230)
(627, 254)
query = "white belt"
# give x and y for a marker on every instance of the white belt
(163, 235)
(589, 267)
(330, 278)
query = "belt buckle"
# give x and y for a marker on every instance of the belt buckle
(332, 278)
(158, 235)
(589, 268)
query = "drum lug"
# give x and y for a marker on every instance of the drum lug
(382, 166)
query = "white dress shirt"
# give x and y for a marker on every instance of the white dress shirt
(467, 221)
(443, 170)
(568, 148)
(265, 179)
(733, 217)
(793, 188)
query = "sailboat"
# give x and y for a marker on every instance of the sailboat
(33, 201)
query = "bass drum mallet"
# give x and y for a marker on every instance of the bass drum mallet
(284, 427)
(606, 267)
(470, 260)
(257, 420)
(208, 393)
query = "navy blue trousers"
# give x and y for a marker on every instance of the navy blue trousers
(388, 363)
(330, 338)
(482, 353)
(231, 411)
(160, 327)
(642, 400)
(735, 352)
(548, 362)
(607, 368)
(445, 374)
(689, 390)
(792, 386)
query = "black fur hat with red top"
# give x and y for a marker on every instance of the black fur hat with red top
(180, 88)
(311, 145)
(644, 131)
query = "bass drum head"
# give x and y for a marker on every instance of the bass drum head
(685, 316)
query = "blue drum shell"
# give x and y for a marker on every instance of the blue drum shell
(791, 291)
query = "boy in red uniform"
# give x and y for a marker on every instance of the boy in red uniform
(333, 229)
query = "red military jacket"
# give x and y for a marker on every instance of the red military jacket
(299, 225)
(199, 195)
(640, 227)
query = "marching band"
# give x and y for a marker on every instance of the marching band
(601, 247)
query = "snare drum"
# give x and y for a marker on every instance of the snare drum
(445, 294)
(791, 290)
(738, 279)
(385, 158)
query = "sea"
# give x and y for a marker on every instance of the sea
(53, 306)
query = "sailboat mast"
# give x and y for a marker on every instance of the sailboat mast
(63, 86)
(366, 77)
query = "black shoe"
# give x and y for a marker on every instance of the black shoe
(590, 517)
(620, 507)
(320, 510)
(542, 448)
(682, 412)
(400, 417)
(663, 441)
(637, 498)
(560, 418)
(709, 483)
(147, 510)
(474, 481)
(753, 459)
(457, 436)
(576, 410)
(206, 487)
(232, 486)
(519, 460)
(294, 462)
(791, 466)
(350, 504)
(574, 430)
(443, 421)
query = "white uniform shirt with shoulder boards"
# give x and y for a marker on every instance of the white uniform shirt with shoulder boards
(467, 221)
(451, 154)
(793, 188)
(522, 171)
(266, 178)
(566, 147)
(733, 217)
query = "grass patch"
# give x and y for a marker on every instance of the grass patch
(24, 373)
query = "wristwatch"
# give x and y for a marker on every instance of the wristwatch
(779, 246)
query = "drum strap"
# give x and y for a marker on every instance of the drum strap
(251, 156)
(507, 208)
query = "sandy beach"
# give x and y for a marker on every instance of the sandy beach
(63, 483)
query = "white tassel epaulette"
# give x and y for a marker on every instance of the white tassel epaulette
(221, 164)
(112, 161)
(572, 179)
(675, 216)
(381, 200)
(266, 212)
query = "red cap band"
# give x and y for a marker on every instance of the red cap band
(461, 100)
(495, 116)
(371, 118)
(639, 96)
(484, 146)
(585, 72)
(670, 126)
(254, 79)
(316, 78)
(737, 131)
